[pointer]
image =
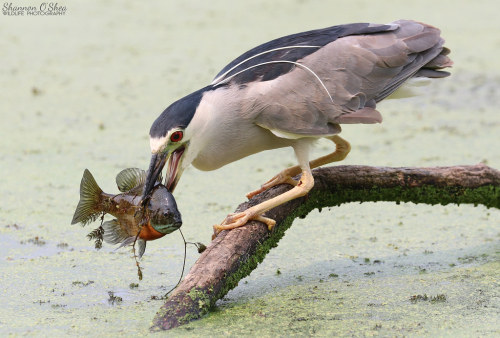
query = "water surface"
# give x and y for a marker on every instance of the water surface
(81, 91)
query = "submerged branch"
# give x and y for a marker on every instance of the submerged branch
(234, 254)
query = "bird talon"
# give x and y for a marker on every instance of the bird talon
(283, 177)
(217, 231)
(268, 221)
(237, 220)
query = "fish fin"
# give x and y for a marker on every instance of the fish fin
(130, 178)
(133, 180)
(140, 242)
(113, 232)
(127, 241)
(142, 246)
(87, 209)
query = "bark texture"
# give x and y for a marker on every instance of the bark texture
(234, 254)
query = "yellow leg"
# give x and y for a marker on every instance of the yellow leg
(285, 176)
(342, 149)
(239, 219)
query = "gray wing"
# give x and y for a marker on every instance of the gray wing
(342, 81)
(261, 63)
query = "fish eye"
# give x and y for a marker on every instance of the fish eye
(176, 136)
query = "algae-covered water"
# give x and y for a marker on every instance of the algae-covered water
(81, 91)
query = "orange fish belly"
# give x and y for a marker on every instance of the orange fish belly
(148, 233)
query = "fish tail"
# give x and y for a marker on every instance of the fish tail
(87, 209)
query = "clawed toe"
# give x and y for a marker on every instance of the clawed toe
(237, 220)
(281, 178)
(268, 221)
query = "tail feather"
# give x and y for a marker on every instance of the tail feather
(87, 209)
(421, 42)
(440, 61)
(426, 57)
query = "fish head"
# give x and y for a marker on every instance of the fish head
(162, 209)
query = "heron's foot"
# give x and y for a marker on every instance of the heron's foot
(239, 219)
(283, 177)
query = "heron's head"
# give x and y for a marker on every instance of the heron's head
(170, 140)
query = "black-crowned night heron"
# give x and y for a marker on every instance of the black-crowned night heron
(292, 91)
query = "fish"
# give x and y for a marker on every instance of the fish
(134, 222)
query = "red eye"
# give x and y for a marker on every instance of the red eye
(176, 136)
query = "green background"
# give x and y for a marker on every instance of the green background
(81, 91)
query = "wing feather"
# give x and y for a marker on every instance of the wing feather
(288, 48)
(356, 71)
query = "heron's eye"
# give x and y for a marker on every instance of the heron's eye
(176, 136)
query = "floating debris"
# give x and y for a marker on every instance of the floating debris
(114, 299)
(433, 299)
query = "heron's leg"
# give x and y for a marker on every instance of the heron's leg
(305, 184)
(239, 219)
(342, 149)
(285, 176)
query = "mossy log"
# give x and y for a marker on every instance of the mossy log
(232, 255)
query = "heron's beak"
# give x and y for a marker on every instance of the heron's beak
(155, 167)
(174, 169)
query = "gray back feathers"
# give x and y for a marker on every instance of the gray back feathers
(350, 75)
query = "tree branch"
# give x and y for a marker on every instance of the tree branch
(234, 254)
